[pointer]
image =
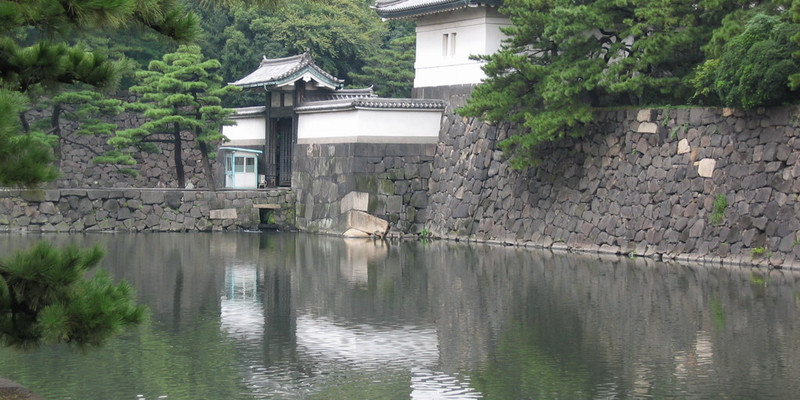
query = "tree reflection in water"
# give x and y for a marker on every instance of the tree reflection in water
(301, 316)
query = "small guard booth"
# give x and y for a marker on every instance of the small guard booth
(240, 168)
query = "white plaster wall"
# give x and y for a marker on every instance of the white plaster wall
(477, 33)
(370, 126)
(247, 131)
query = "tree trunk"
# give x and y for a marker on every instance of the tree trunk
(176, 140)
(207, 166)
(55, 125)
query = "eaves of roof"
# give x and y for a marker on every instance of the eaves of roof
(243, 112)
(399, 9)
(372, 103)
(285, 71)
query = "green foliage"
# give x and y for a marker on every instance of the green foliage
(25, 159)
(754, 66)
(536, 372)
(424, 233)
(718, 313)
(390, 70)
(758, 279)
(718, 212)
(37, 56)
(562, 60)
(45, 297)
(760, 252)
(180, 97)
(340, 34)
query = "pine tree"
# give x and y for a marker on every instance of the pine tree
(563, 59)
(46, 298)
(180, 95)
(390, 70)
(35, 58)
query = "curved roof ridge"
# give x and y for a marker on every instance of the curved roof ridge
(398, 9)
(286, 70)
(372, 103)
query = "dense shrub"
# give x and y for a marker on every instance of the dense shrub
(754, 67)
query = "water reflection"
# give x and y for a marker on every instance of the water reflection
(311, 317)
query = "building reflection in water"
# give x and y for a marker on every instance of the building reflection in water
(292, 337)
(242, 314)
(302, 316)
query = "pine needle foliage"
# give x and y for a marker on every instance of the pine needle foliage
(562, 59)
(46, 298)
(37, 57)
(180, 97)
(45, 294)
(390, 70)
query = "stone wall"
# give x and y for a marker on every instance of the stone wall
(393, 179)
(640, 182)
(155, 170)
(136, 210)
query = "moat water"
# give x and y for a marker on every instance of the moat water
(296, 316)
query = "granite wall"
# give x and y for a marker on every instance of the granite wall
(136, 210)
(75, 153)
(393, 178)
(155, 170)
(639, 182)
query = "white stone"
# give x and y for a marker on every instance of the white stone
(644, 115)
(269, 206)
(648, 127)
(355, 233)
(683, 147)
(366, 223)
(705, 167)
(223, 213)
(354, 201)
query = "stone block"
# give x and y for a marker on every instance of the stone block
(97, 194)
(647, 127)
(683, 146)
(355, 201)
(366, 223)
(52, 195)
(47, 207)
(645, 116)
(174, 199)
(355, 233)
(224, 213)
(705, 167)
(152, 197)
(32, 195)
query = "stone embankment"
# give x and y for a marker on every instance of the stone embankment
(696, 184)
(155, 170)
(137, 210)
(387, 180)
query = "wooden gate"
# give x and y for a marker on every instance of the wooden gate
(284, 151)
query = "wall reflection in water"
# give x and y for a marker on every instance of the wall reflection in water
(304, 316)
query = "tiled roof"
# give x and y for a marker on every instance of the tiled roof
(396, 9)
(278, 72)
(248, 111)
(341, 94)
(372, 103)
